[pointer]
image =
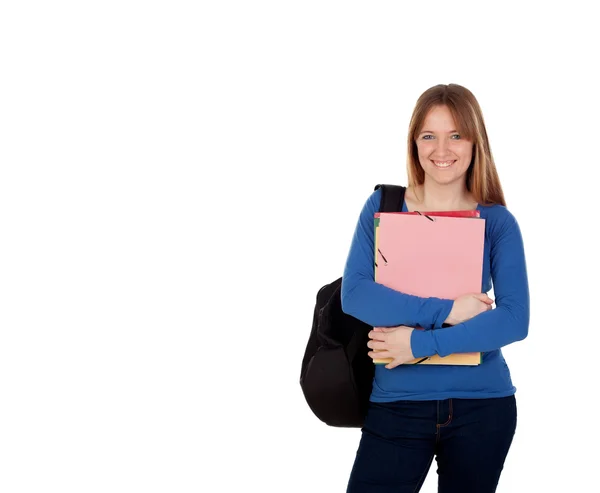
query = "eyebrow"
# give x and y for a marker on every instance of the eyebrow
(431, 132)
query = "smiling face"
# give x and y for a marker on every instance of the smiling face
(444, 154)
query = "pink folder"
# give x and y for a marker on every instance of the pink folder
(431, 254)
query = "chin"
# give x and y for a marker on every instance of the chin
(446, 180)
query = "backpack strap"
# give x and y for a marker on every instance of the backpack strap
(392, 197)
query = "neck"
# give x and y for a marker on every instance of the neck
(447, 197)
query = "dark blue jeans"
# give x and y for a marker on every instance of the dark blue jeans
(469, 439)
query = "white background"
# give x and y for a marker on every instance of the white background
(179, 178)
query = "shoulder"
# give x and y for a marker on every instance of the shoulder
(496, 213)
(499, 221)
(372, 202)
(375, 197)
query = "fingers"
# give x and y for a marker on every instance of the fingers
(485, 298)
(378, 336)
(377, 345)
(380, 354)
(379, 332)
(393, 364)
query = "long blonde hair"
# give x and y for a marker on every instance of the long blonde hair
(482, 177)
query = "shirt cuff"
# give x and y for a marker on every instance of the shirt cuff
(446, 308)
(422, 343)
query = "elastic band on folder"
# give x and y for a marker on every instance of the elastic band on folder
(384, 259)
(431, 219)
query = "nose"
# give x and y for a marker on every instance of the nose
(441, 149)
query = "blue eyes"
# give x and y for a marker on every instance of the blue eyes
(430, 137)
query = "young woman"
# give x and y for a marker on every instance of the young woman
(464, 416)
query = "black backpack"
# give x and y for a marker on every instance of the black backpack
(337, 373)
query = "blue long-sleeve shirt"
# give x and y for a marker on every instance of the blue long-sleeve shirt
(377, 305)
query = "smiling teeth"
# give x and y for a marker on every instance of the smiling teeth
(443, 164)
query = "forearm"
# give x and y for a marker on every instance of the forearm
(378, 305)
(486, 332)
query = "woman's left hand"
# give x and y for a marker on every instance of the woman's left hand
(391, 342)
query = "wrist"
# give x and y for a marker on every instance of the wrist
(450, 320)
(422, 343)
(444, 314)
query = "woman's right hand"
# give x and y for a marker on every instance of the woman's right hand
(467, 306)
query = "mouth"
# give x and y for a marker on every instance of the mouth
(443, 164)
